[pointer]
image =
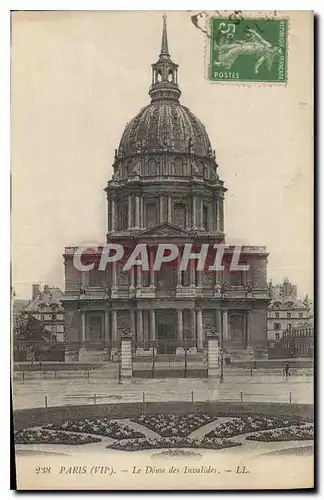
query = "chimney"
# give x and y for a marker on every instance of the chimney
(36, 290)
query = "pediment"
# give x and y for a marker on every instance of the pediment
(165, 229)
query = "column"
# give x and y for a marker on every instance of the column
(83, 328)
(169, 209)
(193, 326)
(199, 278)
(200, 333)
(180, 326)
(201, 222)
(152, 272)
(114, 275)
(137, 212)
(131, 281)
(194, 214)
(132, 278)
(139, 330)
(161, 210)
(218, 321)
(192, 271)
(113, 213)
(139, 277)
(142, 212)
(221, 215)
(114, 329)
(248, 328)
(225, 325)
(152, 325)
(217, 215)
(179, 273)
(132, 323)
(107, 327)
(130, 211)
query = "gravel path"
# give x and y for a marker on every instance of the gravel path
(140, 428)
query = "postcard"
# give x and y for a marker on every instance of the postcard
(162, 250)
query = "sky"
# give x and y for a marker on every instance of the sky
(77, 78)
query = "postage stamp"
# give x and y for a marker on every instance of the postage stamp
(248, 50)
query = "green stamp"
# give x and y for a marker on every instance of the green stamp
(248, 50)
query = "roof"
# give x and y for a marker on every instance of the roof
(48, 299)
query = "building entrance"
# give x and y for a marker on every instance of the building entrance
(166, 332)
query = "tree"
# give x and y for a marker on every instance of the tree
(30, 337)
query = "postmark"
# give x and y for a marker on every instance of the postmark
(248, 50)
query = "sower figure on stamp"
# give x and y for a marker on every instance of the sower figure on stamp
(254, 45)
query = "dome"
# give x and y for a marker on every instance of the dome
(165, 125)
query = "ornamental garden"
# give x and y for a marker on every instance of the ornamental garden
(156, 431)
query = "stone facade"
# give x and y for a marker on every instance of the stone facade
(165, 189)
(46, 306)
(286, 311)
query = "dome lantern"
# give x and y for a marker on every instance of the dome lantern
(164, 73)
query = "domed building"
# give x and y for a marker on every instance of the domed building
(165, 189)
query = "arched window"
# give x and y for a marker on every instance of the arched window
(205, 217)
(158, 76)
(151, 214)
(170, 76)
(178, 166)
(180, 214)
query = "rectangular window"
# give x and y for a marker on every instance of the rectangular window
(288, 315)
(289, 326)
(236, 278)
(96, 278)
(277, 326)
(277, 315)
(277, 337)
(301, 315)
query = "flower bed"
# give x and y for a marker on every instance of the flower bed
(172, 424)
(101, 427)
(242, 425)
(46, 436)
(292, 433)
(171, 442)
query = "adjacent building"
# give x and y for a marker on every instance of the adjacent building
(46, 306)
(286, 311)
(165, 187)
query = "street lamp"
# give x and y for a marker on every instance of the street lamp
(222, 297)
(153, 343)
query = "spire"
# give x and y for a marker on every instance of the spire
(164, 45)
(164, 73)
